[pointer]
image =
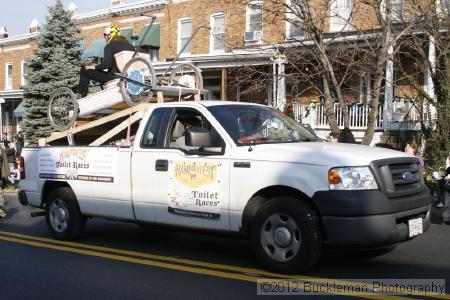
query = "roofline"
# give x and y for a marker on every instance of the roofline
(18, 39)
(120, 10)
(105, 13)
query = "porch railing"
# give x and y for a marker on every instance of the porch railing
(358, 115)
(404, 111)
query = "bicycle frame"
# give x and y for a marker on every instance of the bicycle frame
(138, 47)
(153, 17)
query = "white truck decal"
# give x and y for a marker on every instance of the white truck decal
(194, 189)
(86, 164)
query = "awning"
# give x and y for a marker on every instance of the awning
(152, 37)
(127, 32)
(95, 50)
(19, 111)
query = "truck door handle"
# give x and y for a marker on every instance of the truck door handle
(162, 165)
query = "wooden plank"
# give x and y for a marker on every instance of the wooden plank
(160, 96)
(128, 122)
(174, 91)
(58, 135)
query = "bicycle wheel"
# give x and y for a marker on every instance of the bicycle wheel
(186, 75)
(62, 109)
(141, 71)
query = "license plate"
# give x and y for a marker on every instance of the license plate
(415, 227)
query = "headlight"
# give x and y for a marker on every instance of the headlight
(351, 178)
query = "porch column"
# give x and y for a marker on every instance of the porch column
(2, 100)
(389, 89)
(281, 86)
(224, 85)
(273, 103)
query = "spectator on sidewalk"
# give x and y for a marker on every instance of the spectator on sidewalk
(4, 142)
(411, 148)
(19, 143)
(346, 136)
(333, 137)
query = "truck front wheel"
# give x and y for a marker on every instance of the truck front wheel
(63, 216)
(286, 235)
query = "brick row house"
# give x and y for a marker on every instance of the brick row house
(240, 35)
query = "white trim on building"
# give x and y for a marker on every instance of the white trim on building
(121, 10)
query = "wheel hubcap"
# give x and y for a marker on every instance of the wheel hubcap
(280, 237)
(59, 215)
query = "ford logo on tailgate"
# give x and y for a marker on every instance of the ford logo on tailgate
(408, 176)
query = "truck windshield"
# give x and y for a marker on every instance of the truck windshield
(252, 124)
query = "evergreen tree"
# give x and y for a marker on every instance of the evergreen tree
(56, 63)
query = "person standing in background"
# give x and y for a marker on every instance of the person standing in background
(410, 148)
(4, 142)
(19, 143)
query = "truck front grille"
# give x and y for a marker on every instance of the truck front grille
(398, 177)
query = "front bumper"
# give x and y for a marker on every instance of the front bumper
(369, 218)
(376, 230)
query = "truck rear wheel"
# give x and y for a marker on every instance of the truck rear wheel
(63, 216)
(286, 235)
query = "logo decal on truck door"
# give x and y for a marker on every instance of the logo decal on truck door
(194, 189)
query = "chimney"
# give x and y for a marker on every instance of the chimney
(3, 32)
(116, 2)
(73, 8)
(34, 26)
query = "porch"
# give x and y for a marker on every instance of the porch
(406, 116)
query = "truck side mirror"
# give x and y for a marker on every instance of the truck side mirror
(201, 137)
(198, 137)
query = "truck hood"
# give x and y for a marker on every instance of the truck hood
(319, 153)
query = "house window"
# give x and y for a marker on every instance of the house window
(340, 15)
(217, 43)
(24, 72)
(294, 24)
(9, 77)
(365, 88)
(184, 34)
(254, 22)
(397, 10)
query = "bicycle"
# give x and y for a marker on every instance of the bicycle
(137, 82)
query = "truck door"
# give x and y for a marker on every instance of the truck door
(143, 160)
(187, 188)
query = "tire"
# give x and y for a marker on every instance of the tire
(286, 236)
(141, 70)
(63, 216)
(62, 109)
(186, 75)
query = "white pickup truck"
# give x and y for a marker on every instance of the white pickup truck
(234, 167)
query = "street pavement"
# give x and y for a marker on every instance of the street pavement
(115, 260)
